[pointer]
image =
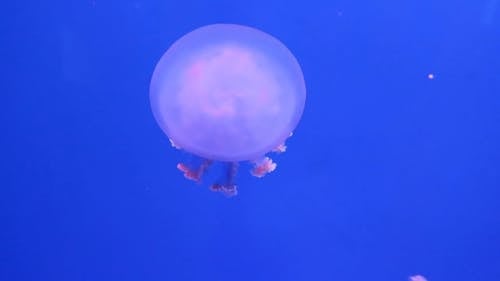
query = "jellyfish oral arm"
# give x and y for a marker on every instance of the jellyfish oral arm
(194, 174)
(228, 188)
(262, 167)
(226, 185)
(280, 149)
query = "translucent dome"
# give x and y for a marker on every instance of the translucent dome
(227, 92)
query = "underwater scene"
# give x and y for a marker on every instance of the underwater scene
(250, 140)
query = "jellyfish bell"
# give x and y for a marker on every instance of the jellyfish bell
(230, 93)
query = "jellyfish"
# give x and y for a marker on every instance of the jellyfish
(417, 278)
(228, 93)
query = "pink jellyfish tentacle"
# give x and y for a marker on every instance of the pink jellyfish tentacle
(194, 174)
(265, 165)
(228, 188)
(282, 147)
(262, 167)
(189, 173)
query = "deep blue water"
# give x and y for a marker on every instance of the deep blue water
(389, 173)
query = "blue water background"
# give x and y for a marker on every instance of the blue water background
(389, 173)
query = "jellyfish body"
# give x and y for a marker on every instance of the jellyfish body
(228, 93)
